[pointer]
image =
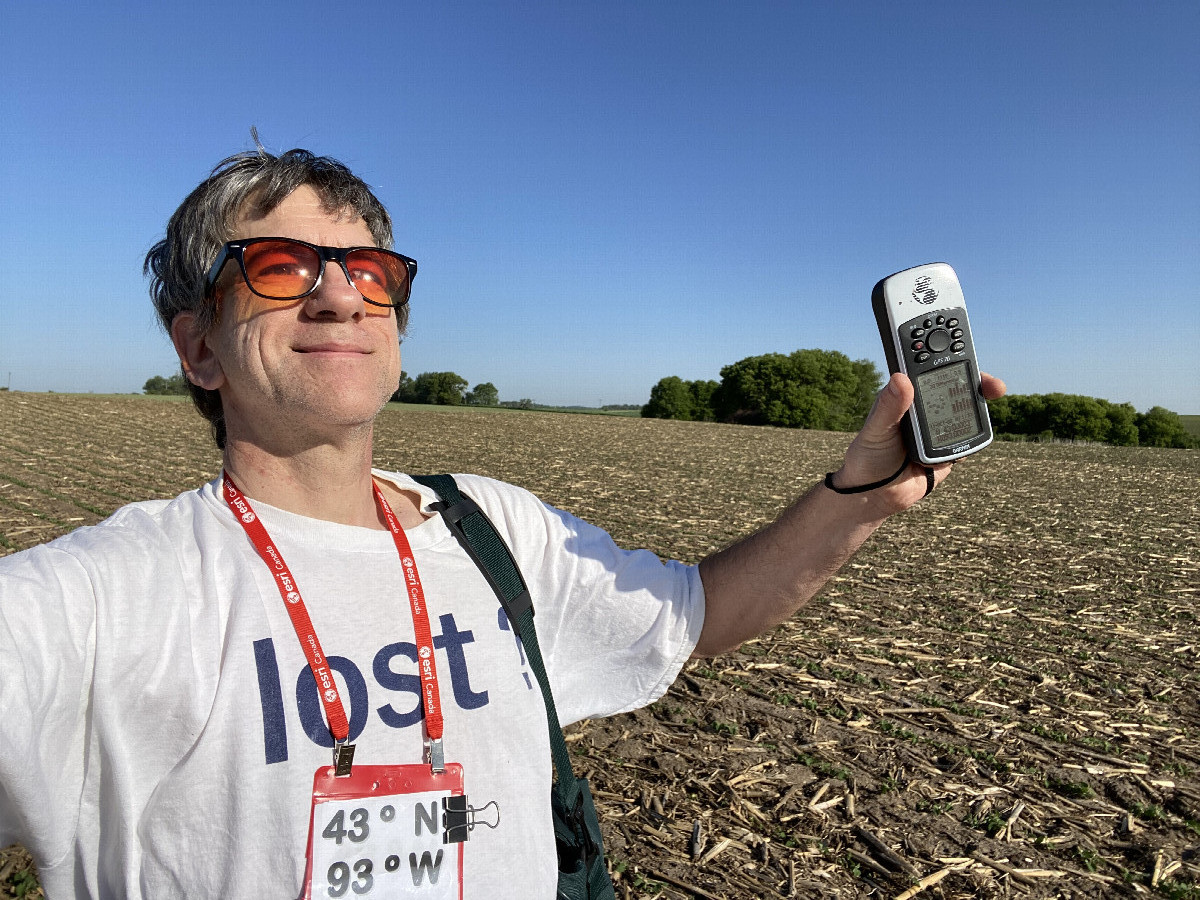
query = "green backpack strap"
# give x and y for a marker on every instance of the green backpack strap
(478, 537)
(582, 873)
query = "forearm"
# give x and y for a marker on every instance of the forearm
(763, 579)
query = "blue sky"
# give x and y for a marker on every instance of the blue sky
(603, 194)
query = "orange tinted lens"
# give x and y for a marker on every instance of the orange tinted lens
(380, 277)
(281, 269)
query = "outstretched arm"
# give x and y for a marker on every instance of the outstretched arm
(762, 580)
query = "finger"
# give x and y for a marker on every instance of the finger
(991, 387)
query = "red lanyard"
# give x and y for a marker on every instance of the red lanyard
(335, 713)
(421, 632)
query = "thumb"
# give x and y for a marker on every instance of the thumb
(890, 406)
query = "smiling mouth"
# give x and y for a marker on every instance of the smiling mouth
(352, 351)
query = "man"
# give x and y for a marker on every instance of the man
(177, 676)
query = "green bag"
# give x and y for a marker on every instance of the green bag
(582, 874)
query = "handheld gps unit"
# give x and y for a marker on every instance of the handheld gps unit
(922, 318)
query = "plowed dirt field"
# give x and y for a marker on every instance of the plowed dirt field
(998, 697)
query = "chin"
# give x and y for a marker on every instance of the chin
(351, 406)
(346, 404)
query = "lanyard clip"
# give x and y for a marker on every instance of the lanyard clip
(435, 756)
(343, 759)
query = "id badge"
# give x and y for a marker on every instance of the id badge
(385, 832)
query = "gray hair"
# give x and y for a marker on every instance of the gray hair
(255, 182)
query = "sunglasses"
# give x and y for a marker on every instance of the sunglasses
(288, 269)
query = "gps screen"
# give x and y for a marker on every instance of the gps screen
(948, 403)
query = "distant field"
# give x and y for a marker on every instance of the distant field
(998, 697)
(575, 410)
(1192, 424)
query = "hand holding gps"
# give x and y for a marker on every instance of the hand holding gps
(922, 318)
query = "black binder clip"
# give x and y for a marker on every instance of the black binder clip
(459, 819)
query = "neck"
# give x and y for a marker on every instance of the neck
(326, 482)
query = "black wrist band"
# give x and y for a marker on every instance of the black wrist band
(863, 488)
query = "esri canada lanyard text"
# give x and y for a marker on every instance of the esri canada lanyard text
(335, 713)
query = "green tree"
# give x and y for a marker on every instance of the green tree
(1075, 418)
(172, 384)
(806, 389)
(1160, 427)
(1122, 424)
(483, 395)
(671, 398)
(702, 393)
(404, 392)
(1072, 417)
(440, 388)
(1002, 414)
(674, 398)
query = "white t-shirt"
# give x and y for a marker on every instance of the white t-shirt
(161, 730)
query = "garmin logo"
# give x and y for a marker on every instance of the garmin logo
(923, 291)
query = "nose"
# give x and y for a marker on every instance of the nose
(335, 297)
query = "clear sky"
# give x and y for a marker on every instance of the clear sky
(601, 194)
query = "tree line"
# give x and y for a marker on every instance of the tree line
(172, 384)
(824, 389)
(1073, 417)
(443, 388)
(818, 389)
(450, 389)
(821, 389)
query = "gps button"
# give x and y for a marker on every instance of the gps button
(938, 340)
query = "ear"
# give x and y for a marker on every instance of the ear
(200, 364)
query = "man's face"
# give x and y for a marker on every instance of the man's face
(313, 367)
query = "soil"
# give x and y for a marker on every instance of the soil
(999, 696)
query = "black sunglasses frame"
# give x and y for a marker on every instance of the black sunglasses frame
(234, 250)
